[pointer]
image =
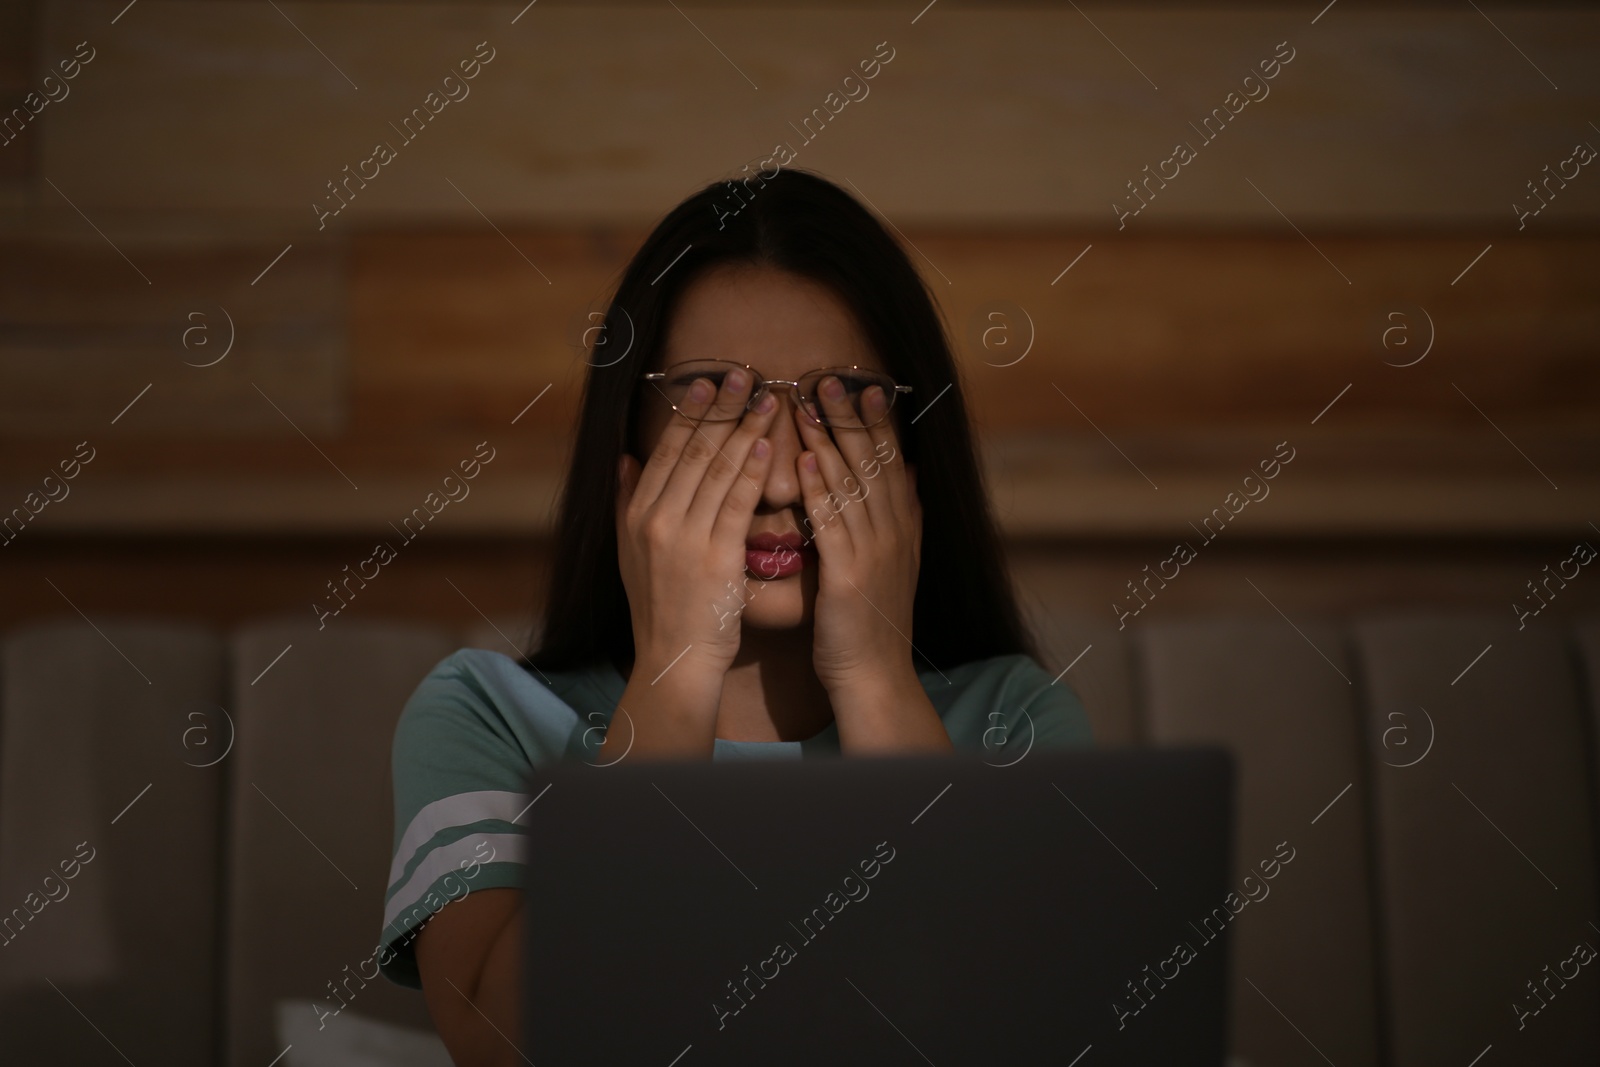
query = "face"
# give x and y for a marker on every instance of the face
(782, 325)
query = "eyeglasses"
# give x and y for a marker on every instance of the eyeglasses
(674, 383)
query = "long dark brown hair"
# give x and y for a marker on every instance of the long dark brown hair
(797, 222)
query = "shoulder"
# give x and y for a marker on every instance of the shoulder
(471, 728)
(469, 739)
(478, 692)
(472, 673)
(986, 702)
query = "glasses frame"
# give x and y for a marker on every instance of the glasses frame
(764, 384)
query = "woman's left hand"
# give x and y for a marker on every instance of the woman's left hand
(866, 522)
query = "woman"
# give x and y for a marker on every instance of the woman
(763, 550)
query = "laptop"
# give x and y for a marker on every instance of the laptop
(884, 910)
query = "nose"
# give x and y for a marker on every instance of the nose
(782, 489)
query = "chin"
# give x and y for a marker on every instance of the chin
(782, 604)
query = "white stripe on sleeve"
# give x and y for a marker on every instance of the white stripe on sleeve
(462, 809)
(506, 848)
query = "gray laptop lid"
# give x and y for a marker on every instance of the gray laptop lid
(887, 911)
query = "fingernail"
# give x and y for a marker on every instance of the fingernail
(737, 381)
(760, 448)
(809, 462)
(766, 403)
(875, 398)
(700, 390)
(832, 388)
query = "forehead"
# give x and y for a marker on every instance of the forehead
(779, 323)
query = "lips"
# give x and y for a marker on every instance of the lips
(771, 556)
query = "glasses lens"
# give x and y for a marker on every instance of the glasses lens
(856, 383)
(680, 376)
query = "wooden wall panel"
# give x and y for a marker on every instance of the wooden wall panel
(1019, 115)
(1185, 358)
(1153, 333)
(84, 330)
(16, 79)
(1197, 330)
(1173, 354)
(454, 327)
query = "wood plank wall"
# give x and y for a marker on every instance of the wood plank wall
(1380, 115)
(1377, 180)
(1158, 361)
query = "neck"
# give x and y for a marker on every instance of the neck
(772, 693)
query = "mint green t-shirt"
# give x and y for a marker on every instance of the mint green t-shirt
(479, 722)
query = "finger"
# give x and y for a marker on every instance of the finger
(680, 428)
(705, 443)
(850, 435)
(851, 492)
(831, 537)
(886, 454)
(725, 468)
(855, 443)
(732, 522)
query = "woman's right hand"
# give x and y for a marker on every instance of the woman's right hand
(682, 521)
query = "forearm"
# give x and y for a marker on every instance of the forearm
(665, 713)
(888, 714)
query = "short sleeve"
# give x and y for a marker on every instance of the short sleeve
(460, 774)
(1058, 716)
(1010, 703)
